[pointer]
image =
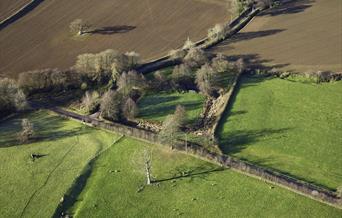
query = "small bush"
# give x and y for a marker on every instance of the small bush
(177, 54)
(188, 44)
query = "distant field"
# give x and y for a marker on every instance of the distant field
(157, 106)
(8, 7)
(293, 127)
(34, 188)
(301, 36)
(41, 39)
(207, 191)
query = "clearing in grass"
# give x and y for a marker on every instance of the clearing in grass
(33, 187)
(293, 127)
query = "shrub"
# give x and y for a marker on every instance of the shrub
(111, 106)
(196, 57)
(26, 131)
(12, 98)
(182, 77)
(91, 101)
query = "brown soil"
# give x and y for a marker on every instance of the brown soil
(303, 36)
(41, 39)
(9, 7)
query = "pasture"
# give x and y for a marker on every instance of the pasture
(292, 127)
(41, 39)
(33, 188)
(185, 186)
(300, 36)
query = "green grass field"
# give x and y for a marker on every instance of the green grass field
(209, 192)
(156, 106)
(34, 188)
(293, 127)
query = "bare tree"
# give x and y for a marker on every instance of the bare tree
(79, 27)
(130, 109)
(182, 76)
(129, 81)
(111, 106)
(188, 44)
(204, 80)
(91, 101)
(196, 57)
(26, 131)
(218, 32)
(180, 115)
(133, 59)
(12, 98)
(142, 163)
(177, 54)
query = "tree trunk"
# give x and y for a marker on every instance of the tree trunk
(148, 173)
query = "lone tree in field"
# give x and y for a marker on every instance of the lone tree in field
(130, 109)
(111, 106)
(26, 131)
(142, 162)
(79, 27)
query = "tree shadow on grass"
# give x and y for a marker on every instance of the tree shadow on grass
(108, 30)
(288, 7)
(191, 173)
(47, 128)
(160, 108)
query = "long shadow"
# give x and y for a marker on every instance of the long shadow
(19, 15)
(288, 7)
(108, 30)
(46, 129)
(243, 36)
(200, 172)
(254, 61)
(164, 110)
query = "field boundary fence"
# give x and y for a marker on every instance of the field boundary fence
(297, 185)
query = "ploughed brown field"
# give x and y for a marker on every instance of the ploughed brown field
(9, 7)
(303, 36)
(41, 39)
